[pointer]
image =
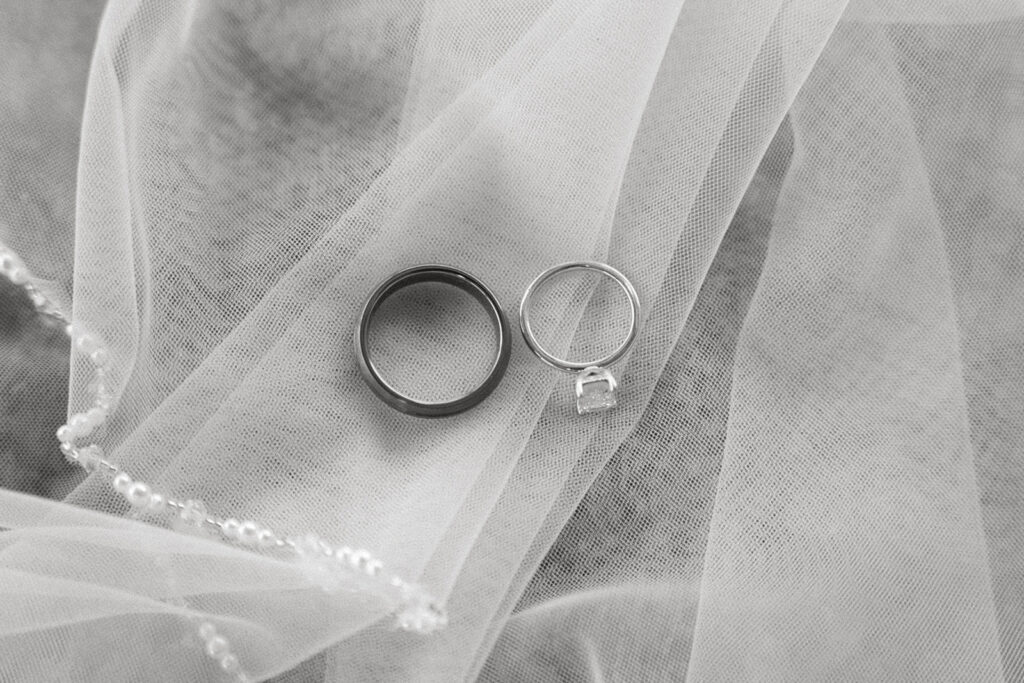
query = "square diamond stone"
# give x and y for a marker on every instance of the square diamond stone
(595, 396)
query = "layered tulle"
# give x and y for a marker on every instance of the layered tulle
(814, 470)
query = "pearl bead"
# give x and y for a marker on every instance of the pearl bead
(86, 343)
(121, 482)
(79, 424)
(157, 503)
(38, 300)
(266, 538)
(194, 512)
(100, 357)
(18, 276)
(359, 559)
(138, 494)
(207, 630)
(248, 533)
(373, 567)
(65, 434)
(89, 456)
(230, 528)
(7, 262)
(217, 646)
(308, 544)
(229, 663)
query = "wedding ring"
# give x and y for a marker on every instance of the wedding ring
(447, 275)
(595, 384)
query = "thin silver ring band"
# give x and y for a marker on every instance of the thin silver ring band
(456, 278)
(562, 363)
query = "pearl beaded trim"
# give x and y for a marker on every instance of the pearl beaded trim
(219, 649)
(419, 612)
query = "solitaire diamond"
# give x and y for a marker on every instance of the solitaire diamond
(595, 391)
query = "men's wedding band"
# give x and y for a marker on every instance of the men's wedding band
(446, 275)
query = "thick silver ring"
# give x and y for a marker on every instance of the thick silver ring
(456, 278)
(562, 363)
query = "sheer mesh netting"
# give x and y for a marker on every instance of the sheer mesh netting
(816, 467)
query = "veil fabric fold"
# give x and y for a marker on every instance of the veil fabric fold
(813, 473)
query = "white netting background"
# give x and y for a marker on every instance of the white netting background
(815, 468)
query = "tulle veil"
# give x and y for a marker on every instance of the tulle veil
(815, 468)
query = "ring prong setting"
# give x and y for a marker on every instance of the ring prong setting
(595, 390)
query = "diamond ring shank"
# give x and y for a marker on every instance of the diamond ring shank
(595, 383)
